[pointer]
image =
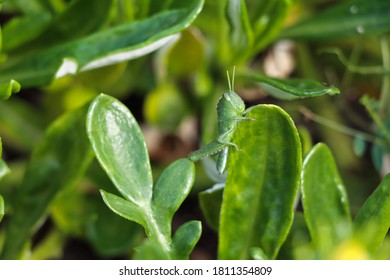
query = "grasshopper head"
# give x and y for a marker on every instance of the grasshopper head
(235, 100)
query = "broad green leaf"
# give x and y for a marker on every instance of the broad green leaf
(325, 201)
(120, 148)
(185, 239)
(210, 202)
(346, 19)
(127, 41)
(170, 190)
(261, 186)
(124, 208)
(289, 89)
(8, 88)
(57, 163)
(21, 30)
(372, 222)
(70, 24)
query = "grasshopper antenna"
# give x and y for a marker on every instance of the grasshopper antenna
(230, 86)
(231, 83)
(234, 72)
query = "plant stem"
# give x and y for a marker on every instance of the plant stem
(341, 128)
(156, 234)
(364, 70)
(353, 59)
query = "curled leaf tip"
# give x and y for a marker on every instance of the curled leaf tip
(9, 88)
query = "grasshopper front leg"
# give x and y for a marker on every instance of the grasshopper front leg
(210, 149)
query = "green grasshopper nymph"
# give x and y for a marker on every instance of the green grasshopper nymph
(230, 110)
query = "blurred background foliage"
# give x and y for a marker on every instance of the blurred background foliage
(52, 63)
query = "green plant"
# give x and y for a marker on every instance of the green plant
(121, 150)
(68, 146)
(327, 212)
(259, 195)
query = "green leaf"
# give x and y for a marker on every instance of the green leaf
(185, 239)
(8, 88)
(172, 187)
(289, 89)
(346, 19)
(120, 148)
(72, 23)
(42, 29)
(241, 33)
(127, 41)
(261, 186)
(210, 202)
(57, 163)
(121, 151)
(124, 208)
(325, 201)
(21, 30)
(373, 220)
